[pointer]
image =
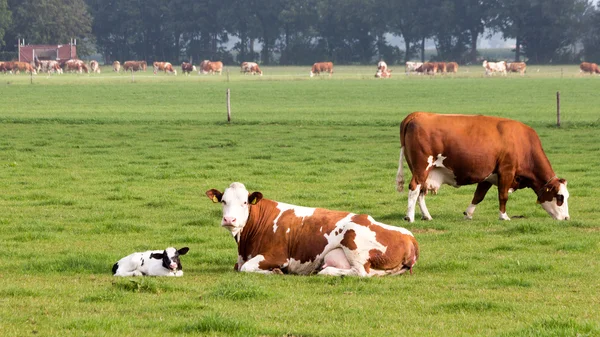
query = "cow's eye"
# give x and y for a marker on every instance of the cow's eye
(245, 203)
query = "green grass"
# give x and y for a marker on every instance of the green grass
(95, 167)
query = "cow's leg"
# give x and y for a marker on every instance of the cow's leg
(414, 190)
(504, 183)
(128, 273)
(252, 266)
(424, 211)
(480, 192)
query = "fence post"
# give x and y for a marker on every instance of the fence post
(228, 106)
(558, 108)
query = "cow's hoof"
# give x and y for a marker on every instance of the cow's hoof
(408, 219)
(426, 218)
(468, 216)
(277, 271)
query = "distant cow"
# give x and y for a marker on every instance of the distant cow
(250, 67)
(94, 66)
(452, 67)
(76, 65)
(516, 67)
(586, 67)
(134, 66)
(441, 67)
(48, 67)
(429, 68)
(386, 73)
(494, 67)
(461, 150)
(151, 263)
(187, 68)
(321, 67)
(167, 67)
(274, 237)
(211, 67)
(412, 67)
(117, 66)
(381, 65)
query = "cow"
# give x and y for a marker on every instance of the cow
(429, 68)
(48, 66)
(275, 237)
(381, 65)
(586, 67)
(116, 66)
(386, 73)
(210, 67)
(452, 67)
(167, 67)
(412, 67)
(441, 67)
(134, 66)
(94, 66)
(23, 66)
(151, 263)
(250, 67)
(187, 68)
(76, 65)
(321, 67)
(462, 150)
(494, 67)
(516, 67)
(204, 67)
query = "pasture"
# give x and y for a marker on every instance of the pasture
(95, 167)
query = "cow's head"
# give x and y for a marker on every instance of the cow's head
(236, 203)
(554, 199)
(170, 257)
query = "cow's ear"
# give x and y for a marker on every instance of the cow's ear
(562, 181)
(254, 198)
(183, 251)
(158, 256)
(214, 195)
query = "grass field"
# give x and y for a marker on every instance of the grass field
(95, 167)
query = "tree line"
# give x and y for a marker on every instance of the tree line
(291, 32)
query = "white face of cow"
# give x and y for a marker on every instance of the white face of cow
(236, 205)
(558, 207)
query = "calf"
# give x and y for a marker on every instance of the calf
(151, 263)
(187, 68)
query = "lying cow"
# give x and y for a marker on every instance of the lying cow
(151, 263)
(494, 67)
(462, 150)
(385, 73)
(274, 237)
(586, 67)
(187, 68)
(516, 67)
(321, 67)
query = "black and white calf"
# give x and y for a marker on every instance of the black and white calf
(151, 263)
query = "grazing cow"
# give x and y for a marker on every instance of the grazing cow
(274, 237)
(452, 67)
(385, 73)
(187, 68)
(151, 263)
(441, 67)
(204, 67)
(250, 67)
(321, 67)
(412, 67)
(22, 66)
(429, 68)
(94, 66)
(516, 67)
(134, 66)
(494, 67)
(117, 66)
(586, 67)
(461, 150)
(211, 67)
(167, 67)
(76, 65)
(48, 66)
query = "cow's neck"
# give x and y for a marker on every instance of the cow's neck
(252, 236)
(540, 174)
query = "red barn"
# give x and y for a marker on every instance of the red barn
(55, 52)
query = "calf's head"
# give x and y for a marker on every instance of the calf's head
(554, 199)
(170, 257)
(236, 203)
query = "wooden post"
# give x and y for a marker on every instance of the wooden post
(228, 105)
(558, 108)
(31, 76)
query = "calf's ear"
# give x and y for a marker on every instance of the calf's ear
(214, 195)
(183, 251)
(254, 197)
(158, 256)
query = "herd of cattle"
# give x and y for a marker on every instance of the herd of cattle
(216, 67)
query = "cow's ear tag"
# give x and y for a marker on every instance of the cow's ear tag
(547, 189)
(254, 201)
(215, 199)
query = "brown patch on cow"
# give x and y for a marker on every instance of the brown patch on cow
(349, 240)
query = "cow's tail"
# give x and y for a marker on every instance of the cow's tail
(403, 128)
(400, 174)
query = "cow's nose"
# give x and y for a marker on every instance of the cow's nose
(173, 265)
(228, 220)
(567, 217)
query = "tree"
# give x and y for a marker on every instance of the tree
(591, 36)
(5, 20)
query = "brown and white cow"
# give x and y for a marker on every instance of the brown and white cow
(275, 237)
(441, 67)
(250, 67)
(412, 67)
(187, 68)
(94, 66)
(167, 67)
(385, 73)
(429, 68)
(46, 66)
(494, 67)
(116, 66)
(321, 67)
(76, 65)
(586, 67)
(381, 65)
(210, 67)
(452, 67)
(461, 150)
(516, 67)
